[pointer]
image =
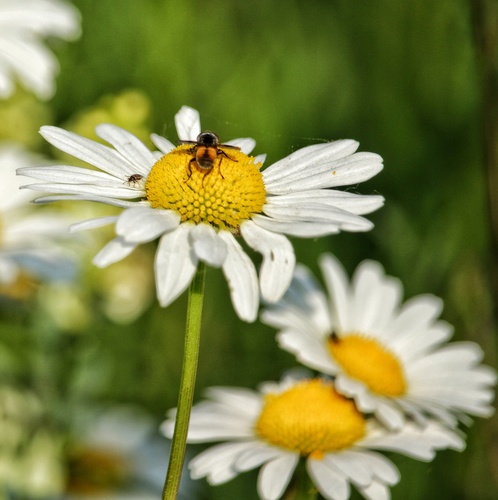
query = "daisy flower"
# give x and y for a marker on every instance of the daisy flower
(198, 197)
(117, 453)
(307, 418)
(392, 358)
(22, 54)
(29, 241)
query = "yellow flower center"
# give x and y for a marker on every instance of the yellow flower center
(225, 195)
(367, 360)
(23, 288)
(310, 418)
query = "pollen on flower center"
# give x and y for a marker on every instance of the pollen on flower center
(224, 196)
(310, 418)
(367, 360)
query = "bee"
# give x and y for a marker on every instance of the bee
(134, 179)
(206, 149)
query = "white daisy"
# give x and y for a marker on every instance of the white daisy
(392, 359)
(198, 210)
(308, 419)
(29, 241)
(117, 453)
(22, 54)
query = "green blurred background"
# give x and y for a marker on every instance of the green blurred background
(403, 78)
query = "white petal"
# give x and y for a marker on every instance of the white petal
(163, 144)
(32, 62)
(128, 145)
(337, 283)
(41, 17)
(380, 466)
(66, 174)
(9, 270)
(311, 212)
(127, 193)
(142, 224)
(375, 297)
(216, 462)
(100, 199)
(306, 157)
(246, 144)
(356, 168)
(353, 465)
(275, 476)
(92, 152)
(188, 124)
(375, 491)
(205, 429)
(175, 264)
(388, 414)
(117, 249)
(304, 306)
(308, 350)
(242, 279)
(301, 229)
(6, 85)
(329, 481)
(93, 223)
(207, 245)
(258, 454)
(416, 442)
(278, 259)
(242, 400)
(351, 202)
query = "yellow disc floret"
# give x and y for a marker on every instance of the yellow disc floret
(224, 196)
(310, 418)
(367, 360)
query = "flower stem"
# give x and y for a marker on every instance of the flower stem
(187, 383)
(305, 488)
(302, 487)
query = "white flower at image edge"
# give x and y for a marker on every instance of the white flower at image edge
(23, 25)
(197, 213)
(276, 426)
(392, 358)
(30, 239)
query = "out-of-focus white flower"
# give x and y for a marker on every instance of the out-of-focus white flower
(307, 418)
(23, 55)
(30, 455)
(29, 239)
(119, 455)
(392, 358)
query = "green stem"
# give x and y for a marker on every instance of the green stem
(305, 490)
(302, 487)
(187, 383)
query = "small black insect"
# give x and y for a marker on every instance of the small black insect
(133, 179)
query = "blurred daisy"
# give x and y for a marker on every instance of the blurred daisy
(118, 454)
(198, 197)
(29, 242)
(22, 54)
(30, 452)
(392, 359)
(308, 419)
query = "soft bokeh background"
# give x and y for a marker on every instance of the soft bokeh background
(403, 78)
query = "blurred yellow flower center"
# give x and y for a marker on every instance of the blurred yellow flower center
(224, 196)
(310, 418)
(367, 360)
